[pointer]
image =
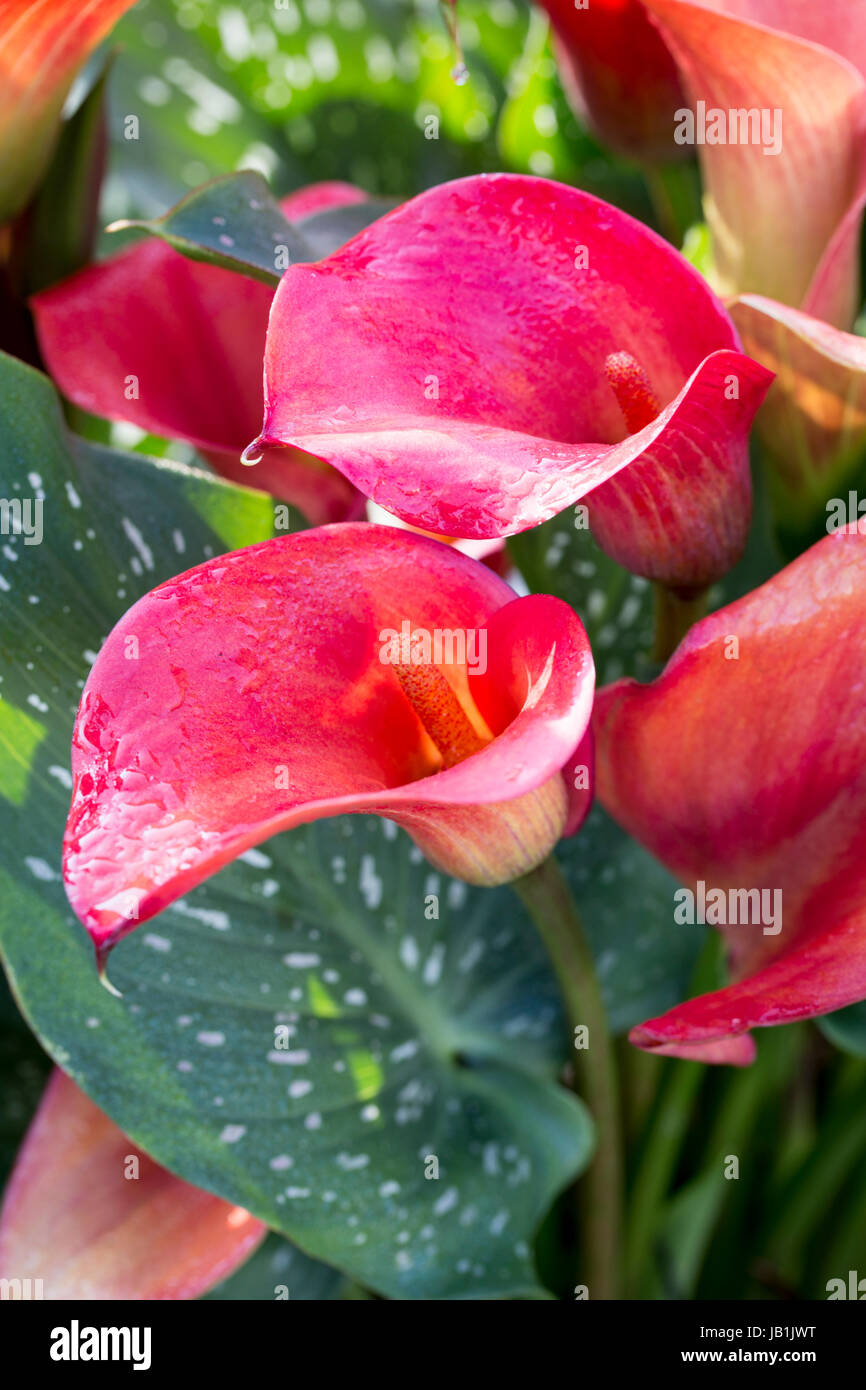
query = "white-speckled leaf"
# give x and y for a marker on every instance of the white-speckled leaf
(615, 607)
(297, 1035)
(279, 1271)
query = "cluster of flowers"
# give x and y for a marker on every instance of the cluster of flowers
(578, 357)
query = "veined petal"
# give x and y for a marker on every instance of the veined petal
(734, 60)
(43, 43)
(482, 423)
(813, 421)
(93, 1218)
(678, 510)
(839, 25)
(742, 767)
(271, 687)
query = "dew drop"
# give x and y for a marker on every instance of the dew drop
(253, 453)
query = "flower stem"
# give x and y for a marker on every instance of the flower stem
(674, 616)
(548, 900)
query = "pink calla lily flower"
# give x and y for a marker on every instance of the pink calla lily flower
(175, 346)
(42, 46)
(785, 223)
(813, 421)
(619, 75)
(743, 769)
(91, 1217)
(508, 346)
(291, 681)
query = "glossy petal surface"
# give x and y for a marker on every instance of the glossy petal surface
(256, 692)
(481, 424)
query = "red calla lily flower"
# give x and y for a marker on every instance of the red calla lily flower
(43, 43)
(619, 75)
(742, 768)
(508, 346)
(785, 224)
(91, 1217)
(288, 682)
(175, 346)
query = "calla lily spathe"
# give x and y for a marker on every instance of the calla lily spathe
(175, 346)
(743, 766)
(265, 691)
(508, 346)
(90, 1217)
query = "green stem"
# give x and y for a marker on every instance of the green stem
(641, 1075)
(674, 616)
(548, 900)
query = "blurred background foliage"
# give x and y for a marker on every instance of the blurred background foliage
(339, 89)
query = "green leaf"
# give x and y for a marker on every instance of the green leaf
(615, 607)
(279, 1271)
(644, 960)
(234, 222)
(341, 89)
(409, 1038)
(846, 1029)
(698, 248)
(327, 231)
(64, 219)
